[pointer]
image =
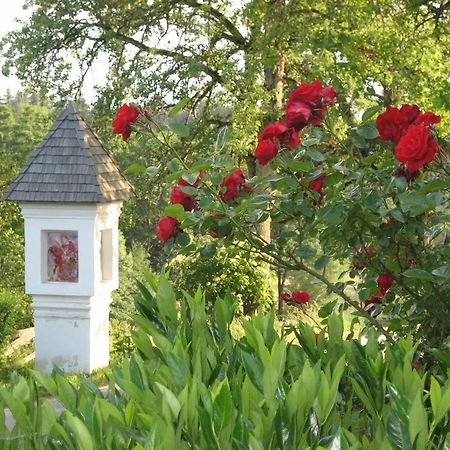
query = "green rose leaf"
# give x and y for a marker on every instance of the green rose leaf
(316, 156)
(359, 141)
(222, 138)
(370, 112)
(176, 211)
(178, 107)
(135, 168)
(418, 274)
(367, 131)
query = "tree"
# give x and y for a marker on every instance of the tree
(238, 56)
(22, 126)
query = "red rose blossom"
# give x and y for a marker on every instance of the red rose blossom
(298, 114)
(384, 282)
(167, 228)
(374, 300)
(329, 96)
(279, 132)
(410, 112)
(301, 298)
(233, 184)
(391, 125)
(266, 151)
(416, 148)
(309, 93)
(427, 119)
(125, 116)
(274, 135)
(187, 200)
(308, 103)
(416, 364)
(286, 297)
(317, 186)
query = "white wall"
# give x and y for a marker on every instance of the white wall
(71, 318)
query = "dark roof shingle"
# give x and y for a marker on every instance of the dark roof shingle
(70, 165)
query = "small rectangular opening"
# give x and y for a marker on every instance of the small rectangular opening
(106, 254)
(60, 256)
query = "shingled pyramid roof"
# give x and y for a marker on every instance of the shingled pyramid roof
(70, 165)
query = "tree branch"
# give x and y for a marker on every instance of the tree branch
(235, 35)
(163, 52)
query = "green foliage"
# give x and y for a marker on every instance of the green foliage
(22, 126)
(131, 264)
(228, 270)
(15, 314)
(192, 384)
(365, 203)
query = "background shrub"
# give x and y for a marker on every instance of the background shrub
(228, 270)
(15, 314)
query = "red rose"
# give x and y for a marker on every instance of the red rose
(286, 297)
(391, 125)
(416, 148)
(427, 119)
(187, 200)
(279, 132)
(167, 228)
(416, 364)
(329, 96)
(301, 298)
(410, 112)
(233, 184)
(384, 282)
(182, 182)
(309, 93)
(266, 151)
(374, 300)
(298, 114)
(308, 103)
(273, 130)
(317, 186)
(125, 116)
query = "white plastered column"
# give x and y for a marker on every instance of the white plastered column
(72, 318)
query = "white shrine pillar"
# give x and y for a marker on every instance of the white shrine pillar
(71, 192)
(76, 249)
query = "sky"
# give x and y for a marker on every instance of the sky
(12, 10)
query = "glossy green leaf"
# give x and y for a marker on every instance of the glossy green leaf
(135, 168)
(176, 211)
(367, 131)
(178, 107)
(222, 138)
(418, 274)
(370, 112)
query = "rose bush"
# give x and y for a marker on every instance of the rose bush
(375, 195)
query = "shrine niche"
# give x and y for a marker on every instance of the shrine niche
(62, 256)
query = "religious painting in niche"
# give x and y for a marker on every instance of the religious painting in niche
(62, 256)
